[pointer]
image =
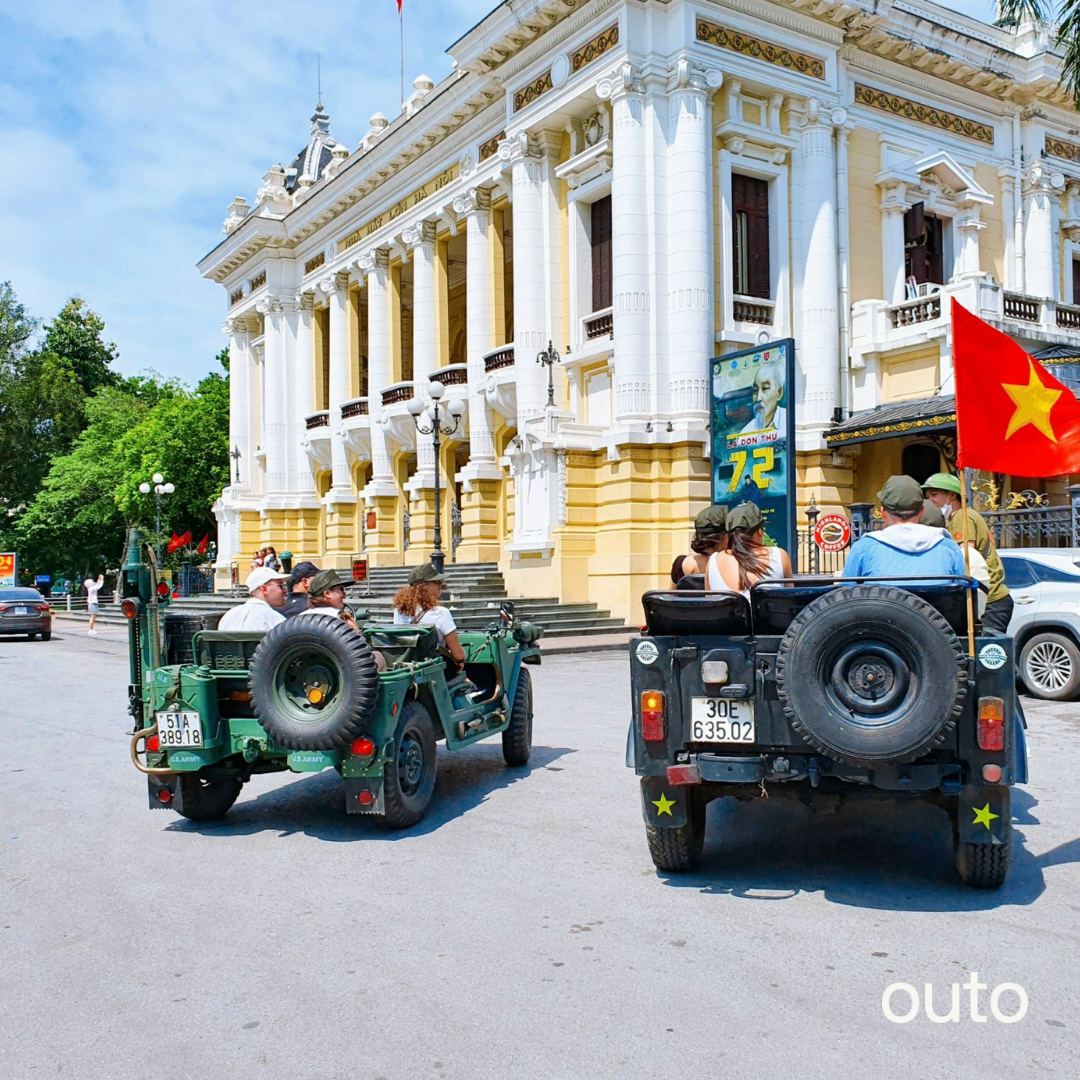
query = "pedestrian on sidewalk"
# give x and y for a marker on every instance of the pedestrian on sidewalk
(92, 588)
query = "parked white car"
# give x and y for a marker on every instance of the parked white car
(1045, 587)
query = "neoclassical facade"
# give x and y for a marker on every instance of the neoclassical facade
(644, 184)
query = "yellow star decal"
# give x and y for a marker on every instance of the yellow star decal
(664, 804)
(1033, 404)
(984, 816)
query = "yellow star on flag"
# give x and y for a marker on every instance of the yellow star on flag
(984, 816)
(1033, 404)
(664, 804)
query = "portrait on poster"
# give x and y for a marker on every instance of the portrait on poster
(753, 434)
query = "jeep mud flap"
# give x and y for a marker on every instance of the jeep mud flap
(663, 805)
(983, 815)
(364, 795)
(164, 792)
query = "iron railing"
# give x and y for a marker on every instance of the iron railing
(195, 580)
(455, 530)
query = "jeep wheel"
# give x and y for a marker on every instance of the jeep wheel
(205, 800)
(870, 674)
(313, 683)
(517, 738)
(1050, 667)
(677, 851)
(984, 866)
(410, 777)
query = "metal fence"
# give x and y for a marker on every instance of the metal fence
(195, 579)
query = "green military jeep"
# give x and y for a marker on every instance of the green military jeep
(212, 707)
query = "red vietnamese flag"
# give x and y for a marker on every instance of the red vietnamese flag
(1012, 415)
(399, 6)
(178, 542)
(201, 549)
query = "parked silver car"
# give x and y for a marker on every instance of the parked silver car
(25, 611)
(1045, 587)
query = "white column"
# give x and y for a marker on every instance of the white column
(629, 244)
(1041, 188)
(690, 311)
(893, 209)
(375, 265)
(420, 240)
(336, 289)
(475, 206)
(968, 226)
(530, 314)
(239, 405)
(275, 395)
(819, 334)
(303, 390)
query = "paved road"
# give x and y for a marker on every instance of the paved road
(519, 932)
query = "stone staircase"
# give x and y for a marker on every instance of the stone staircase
(473, 593)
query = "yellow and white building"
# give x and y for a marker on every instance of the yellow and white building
(645, 184)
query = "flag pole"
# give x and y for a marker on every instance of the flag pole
(401, 49)
(967, 563)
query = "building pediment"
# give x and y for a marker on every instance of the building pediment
(936, 169)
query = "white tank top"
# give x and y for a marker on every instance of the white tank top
(715, 583)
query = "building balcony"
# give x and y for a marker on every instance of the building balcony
(394, 416)
(453, 375)
(1034, 322)
(356, 428)
(316, 440)
(593, 337)
(500, 381)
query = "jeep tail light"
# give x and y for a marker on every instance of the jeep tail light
(153, 744)
(991, 723)
(652, 716)
(164, 795)
(363, 747)
(129, 608)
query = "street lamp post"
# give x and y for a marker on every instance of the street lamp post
(549, 357)
(436, 429)
(160, 488)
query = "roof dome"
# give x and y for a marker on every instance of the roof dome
(309, 164)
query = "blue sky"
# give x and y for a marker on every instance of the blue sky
(129, 125)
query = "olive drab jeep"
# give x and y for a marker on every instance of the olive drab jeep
(212, 708)
(817, 689)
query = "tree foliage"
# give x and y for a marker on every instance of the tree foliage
(1066, 14)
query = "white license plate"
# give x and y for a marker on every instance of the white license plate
(22, 611)
(179, 729)
(721, 720)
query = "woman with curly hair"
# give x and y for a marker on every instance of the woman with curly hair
(418, 604)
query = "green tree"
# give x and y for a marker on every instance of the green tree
(75, 336)
(16, 326)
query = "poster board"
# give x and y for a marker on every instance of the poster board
(9, 564)
(752, 426)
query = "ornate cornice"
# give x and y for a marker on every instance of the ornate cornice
(759, 49)
(920, 113)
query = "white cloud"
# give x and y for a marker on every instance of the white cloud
(129, 125)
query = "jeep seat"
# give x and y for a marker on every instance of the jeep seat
(670, 613)
(403, 644)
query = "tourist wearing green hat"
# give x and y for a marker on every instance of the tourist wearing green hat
(903, 547)
(710, 536)
(747, 558)
(943, 490)
(418, 604)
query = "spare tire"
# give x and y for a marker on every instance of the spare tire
(313, 683)
(871, 675)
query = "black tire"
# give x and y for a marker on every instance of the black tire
(517, 738)
(870, 674)
(1050, 667)
(46, 635)
(677, 851)
(207, 800)
(313, 683)
(409, 780)
(985, 866)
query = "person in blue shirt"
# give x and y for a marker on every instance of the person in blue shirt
(903, 547)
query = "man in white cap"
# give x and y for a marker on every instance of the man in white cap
(262, 610)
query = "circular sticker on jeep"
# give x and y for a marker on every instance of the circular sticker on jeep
(647, 652)
(992, 657)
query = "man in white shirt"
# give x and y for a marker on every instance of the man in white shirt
(92, 588)
(262, 610)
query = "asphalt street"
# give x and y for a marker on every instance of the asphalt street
(520, 931)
